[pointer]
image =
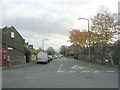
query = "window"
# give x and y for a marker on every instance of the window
(10, 48)
(12, 35)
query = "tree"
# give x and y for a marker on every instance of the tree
(26, 49)
(103, 30)
(103, 26)
(27, 52)
(78, 38)
(64, 50)
(50, 51)
(34, 52)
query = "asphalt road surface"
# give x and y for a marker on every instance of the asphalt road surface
(59, 73)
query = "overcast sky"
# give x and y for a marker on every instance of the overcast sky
(36, 20)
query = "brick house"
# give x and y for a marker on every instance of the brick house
(12, 47)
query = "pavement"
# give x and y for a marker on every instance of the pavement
(19, 66)
(95, 65)
(100, 66)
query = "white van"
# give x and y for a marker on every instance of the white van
(42, 57)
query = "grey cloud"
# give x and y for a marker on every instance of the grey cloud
(72, 2)
(40, 25)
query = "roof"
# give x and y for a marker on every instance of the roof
(12, 27)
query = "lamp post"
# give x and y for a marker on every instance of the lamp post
(88, 36)
(43, 43)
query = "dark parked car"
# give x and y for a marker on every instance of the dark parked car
(50, 58)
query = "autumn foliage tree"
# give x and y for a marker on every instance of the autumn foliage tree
(78, 38)
(103, 26)
(103, 30)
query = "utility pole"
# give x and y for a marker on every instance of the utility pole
(43, 43)
(88, 36)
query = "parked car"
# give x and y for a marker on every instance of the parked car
(59, 55)
(42, 57)
(50, 58)
(54, 56)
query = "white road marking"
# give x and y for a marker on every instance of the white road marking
(21, 71)
(85, 71)
(96, 71)
(30, 77)
(59, 70)
(110, 71)
(13, 71)
(29, 71)
(71, 71)
(77, 67)
(4, 71)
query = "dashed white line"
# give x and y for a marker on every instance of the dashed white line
(97, 71)
(85, 71)
(110, 71)
(77, 67)
(21, 71)
(13, 71)
(72, 71)
(30, 77)
(59, 70)
(29, 71)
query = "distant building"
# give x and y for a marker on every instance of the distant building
(71, 50)
(12, 46)
(74, 51)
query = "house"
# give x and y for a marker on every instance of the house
(74, 51)
(71, 50)
(12, 47)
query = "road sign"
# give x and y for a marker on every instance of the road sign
(31, 46)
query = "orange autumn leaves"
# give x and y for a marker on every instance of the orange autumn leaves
(79, 38)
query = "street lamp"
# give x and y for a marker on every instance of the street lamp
(43, 43)
(88, 35)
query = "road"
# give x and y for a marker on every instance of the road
(59, 73)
